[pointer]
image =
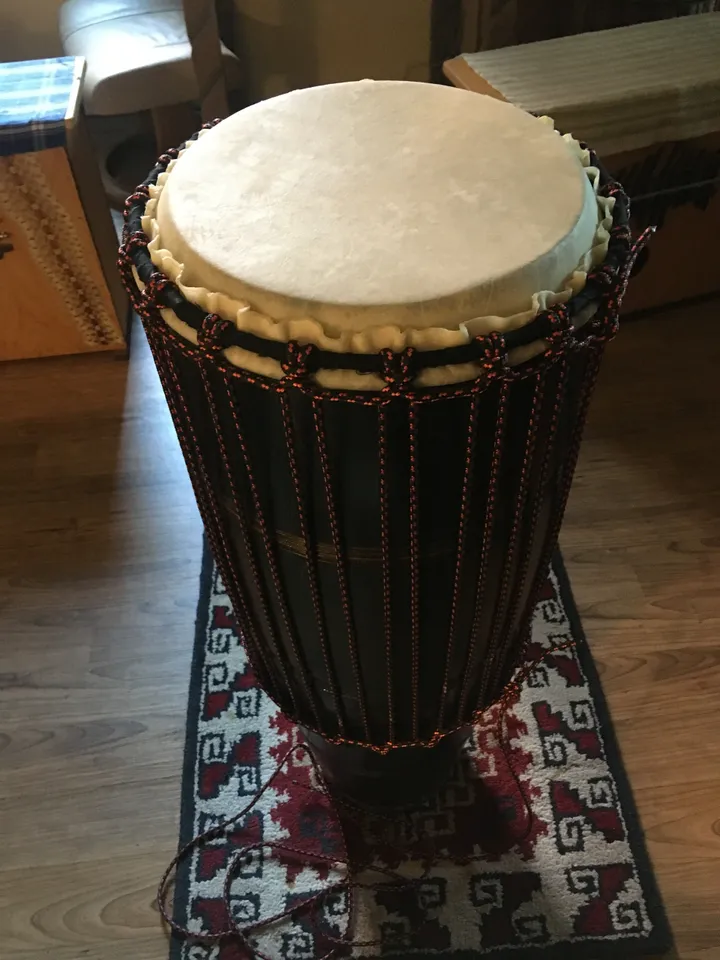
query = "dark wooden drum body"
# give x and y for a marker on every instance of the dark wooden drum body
(383, 549)
(388, 552)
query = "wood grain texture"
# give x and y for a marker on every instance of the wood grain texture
(642, 542)
(100, 548)
(55, 297)
(99, 565)
(85, 164)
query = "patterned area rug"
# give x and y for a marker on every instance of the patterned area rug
(533, 850)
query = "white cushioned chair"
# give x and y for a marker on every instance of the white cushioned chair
(156, 55)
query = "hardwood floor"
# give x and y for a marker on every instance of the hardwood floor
(642, 543)
(99, 563)
(99, 557)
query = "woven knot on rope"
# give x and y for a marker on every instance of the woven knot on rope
(606, 275)
(150, 299)
(560, 326)
(494, 356)
(211, 123)
(140, 195)
(125, 264)
(607, 322)
(613, 189)
(172, 153)
(210, 332)
(398, 369)
(621, 233)
(295, 364)
(138, 240)
(606, 325)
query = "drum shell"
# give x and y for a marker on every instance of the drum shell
(384, 611)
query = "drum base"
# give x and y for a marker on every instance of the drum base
(401, 778)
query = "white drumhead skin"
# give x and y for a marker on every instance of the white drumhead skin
(367, 203)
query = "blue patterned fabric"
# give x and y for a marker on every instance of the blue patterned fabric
(35, 96)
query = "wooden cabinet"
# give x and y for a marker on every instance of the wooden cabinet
(59, 288)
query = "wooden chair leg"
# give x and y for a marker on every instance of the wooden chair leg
(174, 124)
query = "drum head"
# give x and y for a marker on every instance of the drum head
(361, 204)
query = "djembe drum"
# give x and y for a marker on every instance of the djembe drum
(378, 310)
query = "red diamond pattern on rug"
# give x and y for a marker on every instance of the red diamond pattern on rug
(532, 850)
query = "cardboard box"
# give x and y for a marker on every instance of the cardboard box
(647, 99)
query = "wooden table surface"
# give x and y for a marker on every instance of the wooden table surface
(99, 563)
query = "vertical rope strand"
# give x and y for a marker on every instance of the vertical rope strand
(537, 501)
(462, 533)
(340, 562)
(210, 516)
(488, 527)
(312, 568)
(270, 552)
(240, 514)
(588, 381)
(385, 538)
(414, 567)
(498, 618)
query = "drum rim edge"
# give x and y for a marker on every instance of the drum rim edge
(556, 326)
